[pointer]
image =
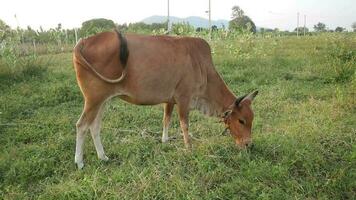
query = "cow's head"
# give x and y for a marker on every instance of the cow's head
(238, 119)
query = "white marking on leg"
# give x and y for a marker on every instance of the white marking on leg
(78, 159)
(165, 133)
(95, 134)
(168, 108)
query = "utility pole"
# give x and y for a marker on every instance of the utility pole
(17, 21)
(169, 27)
(210, 16)
(297, 24)
(18, 29)
(305, 22)
(76, 35)
(66, 36)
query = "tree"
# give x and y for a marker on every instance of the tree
(269, 29)
(3, 25)
(339, 29)
(183, 28)
(320, 27)
(237, 12)
(199, 29)
(301, 30)
(353, 26)
(214, 28)
(5, 30)
(29, 35)
(240, 21)
(94, 26)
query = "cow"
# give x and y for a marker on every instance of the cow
(151, 70)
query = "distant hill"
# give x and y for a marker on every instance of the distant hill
(193, 20)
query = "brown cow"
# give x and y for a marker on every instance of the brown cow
(154, 70)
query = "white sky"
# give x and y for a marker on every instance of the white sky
(265, 13)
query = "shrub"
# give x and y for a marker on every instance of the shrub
(14, 63)
(343, 59)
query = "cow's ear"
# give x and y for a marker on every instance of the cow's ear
(239, 100)
(252, 95)
(246, 98)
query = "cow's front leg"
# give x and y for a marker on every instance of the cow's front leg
(168, 109)
(183, 112)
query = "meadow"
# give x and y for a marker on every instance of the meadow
(304, 130)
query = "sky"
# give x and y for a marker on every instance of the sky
(280, 14)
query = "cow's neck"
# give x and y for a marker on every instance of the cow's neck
(220, 96)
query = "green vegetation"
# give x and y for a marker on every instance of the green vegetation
(304, 131)
(353, 26)
(241, 22)
(93, 26)
(320, 27)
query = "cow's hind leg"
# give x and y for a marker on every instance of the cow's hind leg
(168, 109)
(85, 121)
(81, 129)
(95, 134)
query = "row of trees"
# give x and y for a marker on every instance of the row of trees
(321, 27)
(240, 22)
(59, 35)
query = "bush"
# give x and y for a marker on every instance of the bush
(182, 29)
(94, 26)
(16, 64)
(343, 59)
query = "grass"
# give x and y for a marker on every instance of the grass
(304, 131)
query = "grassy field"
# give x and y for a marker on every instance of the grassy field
(304, 130)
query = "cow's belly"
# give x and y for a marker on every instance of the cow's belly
(149, 90)
(155, 84)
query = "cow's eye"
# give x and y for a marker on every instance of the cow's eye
(242, 121)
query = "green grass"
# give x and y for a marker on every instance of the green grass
(304, 131)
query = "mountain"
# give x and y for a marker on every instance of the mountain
(193, 20)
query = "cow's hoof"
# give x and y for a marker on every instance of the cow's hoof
(188, 146)
(80, 165)
(104, 158)
(165, 139)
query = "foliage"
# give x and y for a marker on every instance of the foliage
(182, 28)
(240, 21)
(94, 26)
(140, 27)
(301, 29)
(5, 31)
(339, 29)
(17, 64)
(320, 27)
(342, 58)
(353, 26)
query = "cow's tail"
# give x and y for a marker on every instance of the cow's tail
(124, 53)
